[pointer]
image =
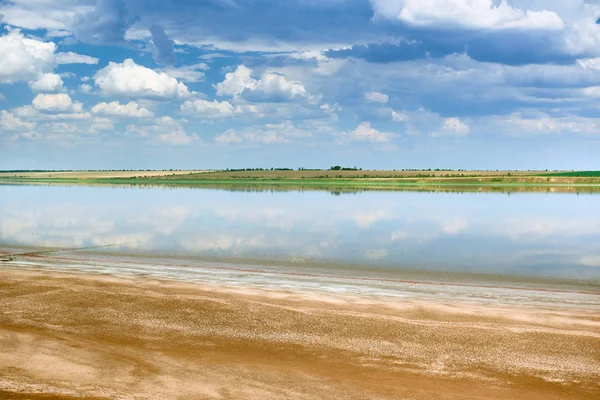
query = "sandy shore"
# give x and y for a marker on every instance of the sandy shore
(66, 336)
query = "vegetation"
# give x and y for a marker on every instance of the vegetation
(335, 180)
(577, 174)
(339, 168)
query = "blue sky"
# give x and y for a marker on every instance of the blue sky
(308, 83)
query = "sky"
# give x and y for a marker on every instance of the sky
(192, 84)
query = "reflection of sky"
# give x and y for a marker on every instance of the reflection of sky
(532, 234)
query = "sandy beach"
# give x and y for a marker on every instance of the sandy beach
(73, 335)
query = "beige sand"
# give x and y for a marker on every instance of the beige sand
(68, 336)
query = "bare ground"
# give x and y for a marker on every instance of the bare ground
(66, 336)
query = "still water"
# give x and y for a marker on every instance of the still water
(529, 235)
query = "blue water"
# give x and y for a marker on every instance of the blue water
(533, 234)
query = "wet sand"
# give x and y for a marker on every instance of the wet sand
(74, 335)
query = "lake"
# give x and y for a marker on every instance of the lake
(159, 290)
(551, 240)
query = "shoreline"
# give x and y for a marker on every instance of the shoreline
(323, 277)
(137, 337)
(330, 180)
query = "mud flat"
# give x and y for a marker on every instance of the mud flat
(70, 335)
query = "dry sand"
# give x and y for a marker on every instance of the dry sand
(67, 336)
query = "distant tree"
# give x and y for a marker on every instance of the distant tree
(336, 168)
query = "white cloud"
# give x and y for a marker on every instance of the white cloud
(48, 82)
(592, 91)
(255, 136)
(101, 124)
(377, 97)
(469, 14)
(275, 87)
(74, 58)
(58, 127)
(57, 33)
(187, 73)
(590, 63)
(176, 138)
(163, 130)
(236, 82)
(55, 103)
(520, 124)
(452, 127)
(399, 116)
(282, 132)
(2, 97)
(133, 80)
(208, 109)
(114, 108)
(24, 59)
(42, 14)
(30, 113)
(85, 88)
(365, 133)
(9, 122)
(271, 87)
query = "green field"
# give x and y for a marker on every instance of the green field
(331, 180)
(579, 174)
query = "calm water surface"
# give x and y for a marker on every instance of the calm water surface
(530, 235)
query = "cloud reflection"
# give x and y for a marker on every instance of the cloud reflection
(479, 233)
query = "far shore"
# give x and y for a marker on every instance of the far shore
(331, 180)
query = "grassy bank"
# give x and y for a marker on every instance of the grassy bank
(342, 181)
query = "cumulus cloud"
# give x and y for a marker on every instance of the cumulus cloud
(236, 82)
(162, 130)
(85, 88)
(47, 83)
(275, 87)
(376, 97)
(452, 127)
(60, 102)
(133, 80)
(114, 108)
(469, 14)
(176, 138)
(101, 124)
(24, 59)
(231, 136)
(9, 122)
(283, 132)
(271, 87)
(364, 132)
(30, 113)
(27, 59)
(162, 47)
(209, 109)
